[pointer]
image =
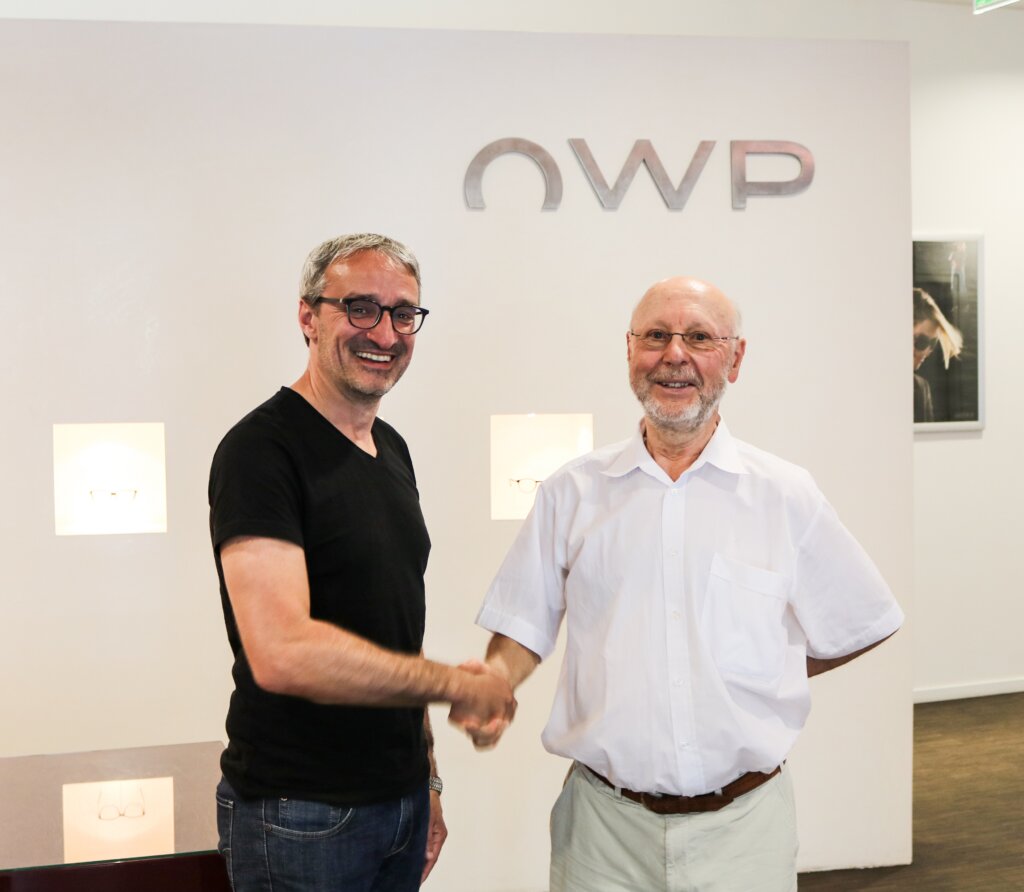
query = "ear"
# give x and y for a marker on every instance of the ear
(307, 320)
(737, 359)
(629, 348)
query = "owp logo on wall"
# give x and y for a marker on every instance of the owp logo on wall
(643, 152)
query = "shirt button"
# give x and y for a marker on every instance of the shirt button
(683, 744)
(675, 614)
(672, 552)
(678, 682)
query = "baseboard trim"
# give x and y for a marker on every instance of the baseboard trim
(963, 691)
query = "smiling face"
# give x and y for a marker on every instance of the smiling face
(361, 365)
(680, 388)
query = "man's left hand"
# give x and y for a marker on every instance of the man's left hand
(437, 833)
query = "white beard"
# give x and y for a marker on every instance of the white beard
(687, 419)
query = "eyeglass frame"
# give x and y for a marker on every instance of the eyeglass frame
(110, 811)
(421, 313)
(525, 485)
(685, 336)
(116, 807)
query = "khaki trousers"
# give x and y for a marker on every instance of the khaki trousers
(601, 842)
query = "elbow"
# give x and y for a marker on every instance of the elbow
(273, 671)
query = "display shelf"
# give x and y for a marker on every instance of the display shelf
(73, 827)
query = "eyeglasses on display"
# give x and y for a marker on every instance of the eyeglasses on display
(118, 802)
(525, 484)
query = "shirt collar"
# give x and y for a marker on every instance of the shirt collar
(721, 451)
(634, 455)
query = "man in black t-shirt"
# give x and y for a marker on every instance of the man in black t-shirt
(329, 775)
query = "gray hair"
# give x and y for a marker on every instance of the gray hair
(321, 258)
(737, 328)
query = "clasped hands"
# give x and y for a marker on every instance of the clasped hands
(484, 705)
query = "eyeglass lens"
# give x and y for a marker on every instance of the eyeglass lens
(656, 339)
(367, 313)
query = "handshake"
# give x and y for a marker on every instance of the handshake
(483, 704)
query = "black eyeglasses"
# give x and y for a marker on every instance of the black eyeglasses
(657, 339)
(923, 343)
(363, 312)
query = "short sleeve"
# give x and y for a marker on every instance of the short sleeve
(254, 486)
(526, 600)
(840, 599)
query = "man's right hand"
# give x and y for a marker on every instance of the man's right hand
(483, 704)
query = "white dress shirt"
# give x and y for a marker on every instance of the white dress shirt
(690, 607)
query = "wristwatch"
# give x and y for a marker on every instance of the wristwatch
(435, 784)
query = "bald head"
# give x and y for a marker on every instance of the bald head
(681, 380)
(687, 293)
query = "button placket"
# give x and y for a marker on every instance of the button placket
(677, 633)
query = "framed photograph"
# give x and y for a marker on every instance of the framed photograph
(948, 379)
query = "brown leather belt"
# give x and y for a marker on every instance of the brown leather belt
(685, 805)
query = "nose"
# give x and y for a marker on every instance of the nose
(383, 334)
(675, 351)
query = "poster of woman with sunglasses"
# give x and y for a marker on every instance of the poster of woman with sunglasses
(947, 362)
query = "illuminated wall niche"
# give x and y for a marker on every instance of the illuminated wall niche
(109, 478)
(113, 819)
(525, 449)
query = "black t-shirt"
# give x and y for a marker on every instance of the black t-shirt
(285, 472)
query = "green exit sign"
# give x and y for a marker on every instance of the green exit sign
(981, 6)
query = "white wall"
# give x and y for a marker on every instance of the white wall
(966, 81)
(967, 175)
(175, 176)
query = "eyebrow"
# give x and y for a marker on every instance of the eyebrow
(661, 326)
(402, 301)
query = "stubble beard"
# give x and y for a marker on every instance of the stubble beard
(351, 380)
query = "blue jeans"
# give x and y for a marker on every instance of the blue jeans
(293, 845)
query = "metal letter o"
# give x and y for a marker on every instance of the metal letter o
(473, 185)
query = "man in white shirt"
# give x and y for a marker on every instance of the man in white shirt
(702, 582)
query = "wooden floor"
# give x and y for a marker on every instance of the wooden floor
(968, 803)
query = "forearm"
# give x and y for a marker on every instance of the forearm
(326, 664)
(510, 659)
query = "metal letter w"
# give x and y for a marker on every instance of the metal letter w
(643, 153)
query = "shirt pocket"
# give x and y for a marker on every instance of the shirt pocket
(743, 622)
